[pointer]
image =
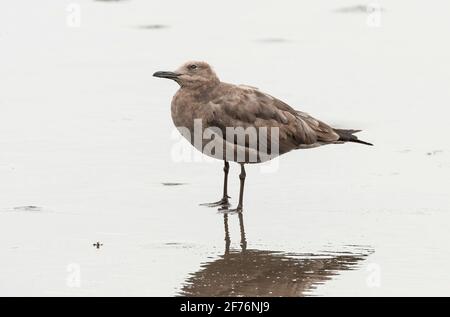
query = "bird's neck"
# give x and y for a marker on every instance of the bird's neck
(202, 92)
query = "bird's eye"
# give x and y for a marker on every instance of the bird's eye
(192, 66)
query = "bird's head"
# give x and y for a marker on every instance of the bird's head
(195, 75)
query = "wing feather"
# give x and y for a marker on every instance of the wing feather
(244, 106)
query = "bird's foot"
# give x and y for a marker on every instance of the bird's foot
(238, 209)
(223, 203)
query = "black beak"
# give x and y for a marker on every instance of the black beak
(169, 75)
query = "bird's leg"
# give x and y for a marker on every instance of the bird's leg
(224, 201)
(241, 189)
(226, 168)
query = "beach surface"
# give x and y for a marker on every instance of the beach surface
(89, 151)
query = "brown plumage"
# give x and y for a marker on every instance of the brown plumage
(220, 105)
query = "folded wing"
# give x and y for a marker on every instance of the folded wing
(244, 106)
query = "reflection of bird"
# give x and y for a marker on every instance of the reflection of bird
(250, 272)
(247, 123)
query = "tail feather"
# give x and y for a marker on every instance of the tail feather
(348, 136)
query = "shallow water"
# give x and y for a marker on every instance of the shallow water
(87, 152)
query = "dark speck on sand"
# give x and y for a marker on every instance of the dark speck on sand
(26, 209)
(29, 208)
(434, 152)
(359, 9)
(272, 40)
(153, 27)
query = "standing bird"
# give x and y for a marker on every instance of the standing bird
(221, 107)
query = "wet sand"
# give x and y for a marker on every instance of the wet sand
(86, 153)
